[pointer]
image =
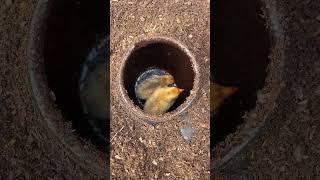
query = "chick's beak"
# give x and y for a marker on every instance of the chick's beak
(181, 90)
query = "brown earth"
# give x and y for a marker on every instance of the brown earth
(29, 148)
(288, 145)
(285, 122)
(139, 150)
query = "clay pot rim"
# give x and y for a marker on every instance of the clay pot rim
(273, 86)
(142, 42)
(61, 132)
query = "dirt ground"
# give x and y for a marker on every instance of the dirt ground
(140, 150)
(287, 147)
(29, 149)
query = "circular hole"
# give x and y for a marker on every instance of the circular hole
(75, 38)
(163, 55)
(242, 46)
(148, 75)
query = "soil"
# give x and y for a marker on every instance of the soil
(282, 129)
(29, 146)
(140, 150)
(287, 145)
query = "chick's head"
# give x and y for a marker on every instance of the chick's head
(167, 80)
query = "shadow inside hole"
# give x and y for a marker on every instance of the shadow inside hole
(162, 55)
(73, 28)
(241, 49)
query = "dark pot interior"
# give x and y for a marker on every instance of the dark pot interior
(160, 54)
(240, 58)
(73, 28)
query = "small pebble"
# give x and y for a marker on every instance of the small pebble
(140, 139)
(117, 157)
(190, 36)
(154, 162)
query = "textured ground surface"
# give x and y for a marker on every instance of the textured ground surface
(29, 149)
(140, 150)
(289, 146)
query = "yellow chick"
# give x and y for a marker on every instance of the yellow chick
(148, 86)
(162, 99)
(218, 94)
